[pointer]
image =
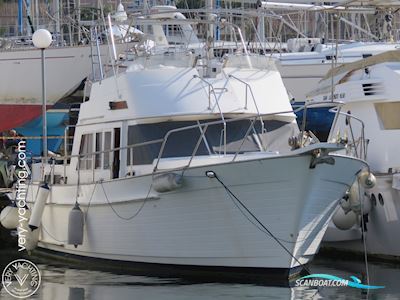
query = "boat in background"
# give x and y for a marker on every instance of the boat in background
(302, 61)
(67, 67)
(327, 35)
(369, 90)
(302, 71)
(20, 80)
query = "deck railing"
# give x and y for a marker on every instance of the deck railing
(203, 127)
(211, 90)
(357, 144)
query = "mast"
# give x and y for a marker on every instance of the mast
(37, 13)
(20, 23)
(28, 15)
(217, 29)
(57, 16)
(78, 18)
(210, 16)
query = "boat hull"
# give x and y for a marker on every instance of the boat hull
(269, 277)
(13, 115)
(21, 79)
(381, 228)
(300, 79)
(199, 224)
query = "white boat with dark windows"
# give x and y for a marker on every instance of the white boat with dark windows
(371, 110)
(181, 162)
(302, 61)
(302, 70)
(311, 37)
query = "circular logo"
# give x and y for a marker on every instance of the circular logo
(21, 278)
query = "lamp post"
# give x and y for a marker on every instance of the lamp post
(42, 39)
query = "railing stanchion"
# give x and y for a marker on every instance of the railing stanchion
(65, 153)
(93, 165)
(211, 89)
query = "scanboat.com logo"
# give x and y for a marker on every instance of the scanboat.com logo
(21, 278)
(317, 280)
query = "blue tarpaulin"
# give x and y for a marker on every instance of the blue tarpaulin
(55, 127)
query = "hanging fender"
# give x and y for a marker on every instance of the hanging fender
(167, 182)
(38, 206)
(75, 226)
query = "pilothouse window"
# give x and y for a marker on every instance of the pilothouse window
(107, 148)
(86, 148)
(183, 143)
(99, 141)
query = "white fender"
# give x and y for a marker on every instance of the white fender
(75, 226)
(356, 193)
(9, 216)
(32, 239)
(167, 182)
(31, 236)
(38, 206)
(367, 179)
(345, 204)
(343, 220)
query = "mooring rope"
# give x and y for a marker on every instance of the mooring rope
(214, 175)
(136, 213)
(363, 231)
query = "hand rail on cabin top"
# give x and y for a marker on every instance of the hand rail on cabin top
(362, 151)
(212, 90)
(247, 86)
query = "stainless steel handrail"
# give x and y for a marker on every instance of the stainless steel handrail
(203, 128)
(363, 142)
(251, 92)
(211, 89)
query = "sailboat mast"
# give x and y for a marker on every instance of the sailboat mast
(57, 16)
(37, 13)
(20, 17)
(210, 16)
(78, 19)
(28, 15)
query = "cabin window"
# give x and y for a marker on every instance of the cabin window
(179, 144)
(173, 30)
(86, 148)
(388, 114)
(99, 141)
(129, 150)
(149, 29)
(183, 143)
(107, 148)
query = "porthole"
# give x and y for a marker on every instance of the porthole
(380, 198)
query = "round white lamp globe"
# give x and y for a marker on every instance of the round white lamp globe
(41, 38)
